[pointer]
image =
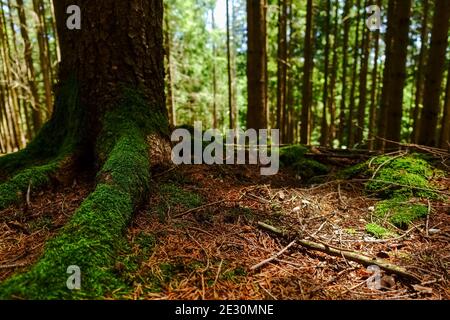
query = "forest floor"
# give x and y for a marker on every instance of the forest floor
(198, 238)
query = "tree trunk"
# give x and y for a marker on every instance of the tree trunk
(257, 64)
(374, 91)
(334, 73)
(214, 54)
(109, 104)
(356, 55)
(37, 117)
(307, 77)
(420, 72)
(398, 72)
(170, 93)
(324, 126)
(382, 115)
(359, 134)
(43, 54)
(445, 128)
(282, 69)
(434, 74)
(343, 107)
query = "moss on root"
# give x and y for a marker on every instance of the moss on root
(44, 156)
(14, 190)
(57, 139)
(95, 233)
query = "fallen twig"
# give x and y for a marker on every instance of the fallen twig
(274, 257)
(350, 255)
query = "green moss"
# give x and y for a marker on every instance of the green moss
(234, 274)
(94, 234)
(308, 168)
(175, 195)
(14, 190)
(57, 139)
(291, 154)
(399, 212)
(407, 176)
(378, 231)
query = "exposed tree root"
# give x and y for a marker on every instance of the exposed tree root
(35, 178)
(92, 237)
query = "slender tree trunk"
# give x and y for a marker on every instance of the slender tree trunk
(231, 108)
(345, 45)
(434, 74)
(382, 115)
(44, 59)
(282, 69)
(11, 105)
(291, 77)
(445, 128)
(324, 126)
(214, 54)
(334, 73)
(356, 56)
(170, 94)
(35, 103)
(398, 73)
(307, 77)
(257, 64)
(363, 82)
(420, 72)
(374, 91)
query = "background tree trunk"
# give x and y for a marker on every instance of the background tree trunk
(257, 64)
(282, 69)
(434, 73)
(307, 77)
(420, 72)
(398, 72)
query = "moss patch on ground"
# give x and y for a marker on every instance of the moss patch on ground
(378, 231)
(399, 212)
(294, 157)
(95, 233)
(403, 176)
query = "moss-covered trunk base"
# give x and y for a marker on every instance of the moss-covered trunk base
(90, 240)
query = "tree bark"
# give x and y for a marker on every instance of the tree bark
(307, 77)
(37, 117)
(343, 107)
(257, 64)
(356, 55)
(434, 74)
(374, 91)
(359, 134)
(398, 72)
(324, 126)
(119, 44)
(282, 69)
(169, 73)
(445, 128)
(420, 72)
(334, 73)
(43, 54)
